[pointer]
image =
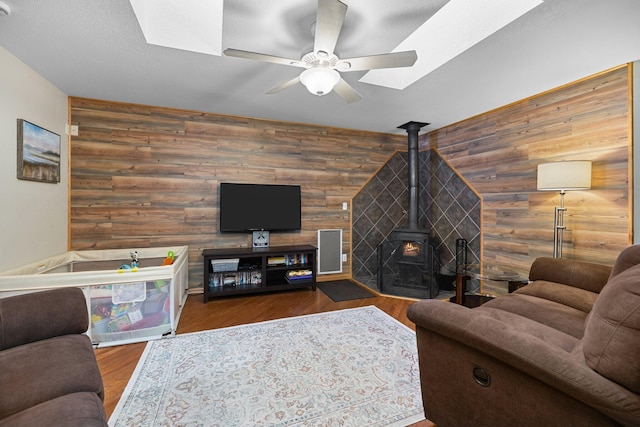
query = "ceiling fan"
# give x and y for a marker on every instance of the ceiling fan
(322, 66)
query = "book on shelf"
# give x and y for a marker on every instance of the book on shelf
(276, 260)
(297, 259)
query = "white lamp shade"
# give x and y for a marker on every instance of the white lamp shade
(319, 81)
(566, 175)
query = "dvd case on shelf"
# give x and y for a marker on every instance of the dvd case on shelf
(239, 278)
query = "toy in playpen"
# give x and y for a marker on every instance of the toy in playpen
(134, 263)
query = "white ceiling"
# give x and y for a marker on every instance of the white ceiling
(96, 49)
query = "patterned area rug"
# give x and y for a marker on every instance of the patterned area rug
(355, 367)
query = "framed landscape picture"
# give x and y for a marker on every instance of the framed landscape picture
(38, 153)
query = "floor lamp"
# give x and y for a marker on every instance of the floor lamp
(563, 176)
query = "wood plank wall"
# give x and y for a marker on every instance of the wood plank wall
(498, 153)
(146, 176)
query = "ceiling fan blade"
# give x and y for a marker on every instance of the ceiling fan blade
(346, 92)
(264, 57)
(385, 60)
(284, 85)
(329, 19)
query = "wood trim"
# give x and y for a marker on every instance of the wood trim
(68, 127)
(632, 82)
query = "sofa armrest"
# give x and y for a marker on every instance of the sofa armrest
(589, 276)
(40, 315)
(562, 370)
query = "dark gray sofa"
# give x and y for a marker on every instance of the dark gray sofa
(48, 371)
(563, 350)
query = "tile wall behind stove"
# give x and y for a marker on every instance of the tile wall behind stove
(447, 207)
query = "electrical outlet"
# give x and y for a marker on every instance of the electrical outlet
(345, 206)
(74, 130)
(344, 257)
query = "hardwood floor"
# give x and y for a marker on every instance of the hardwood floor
(118, 363)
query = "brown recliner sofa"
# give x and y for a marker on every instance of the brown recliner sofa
(48, 371)
(563, 350)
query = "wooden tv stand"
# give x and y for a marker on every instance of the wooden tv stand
(236, 271)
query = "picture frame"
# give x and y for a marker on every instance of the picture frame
(38, 153)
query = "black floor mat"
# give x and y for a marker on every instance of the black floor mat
(344, 290)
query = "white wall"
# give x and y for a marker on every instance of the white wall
(33, 215)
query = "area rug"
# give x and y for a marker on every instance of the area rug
(355, 367)
(343, 290)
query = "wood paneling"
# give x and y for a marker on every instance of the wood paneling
(146, 176)
(497, 153)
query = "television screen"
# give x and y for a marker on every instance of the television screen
(251, 207)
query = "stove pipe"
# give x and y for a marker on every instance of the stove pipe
(412, 129)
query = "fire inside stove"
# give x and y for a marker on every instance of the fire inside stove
(411, 249)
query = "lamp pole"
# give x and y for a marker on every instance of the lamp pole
(563, 176)
(559, 227)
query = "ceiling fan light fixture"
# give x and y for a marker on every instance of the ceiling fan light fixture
(343, 66)
(319, 80)
(5, 10)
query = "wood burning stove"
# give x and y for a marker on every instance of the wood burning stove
(406, 259)
(406, 265)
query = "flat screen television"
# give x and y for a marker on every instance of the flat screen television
(254, 207)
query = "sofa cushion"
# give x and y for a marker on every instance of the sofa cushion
(589, 276)
(558, 316)
(628, 258)
(41, 315)
(35, 373)
(71, 410)
(611, 342)
(530, 327)
(577, 298)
